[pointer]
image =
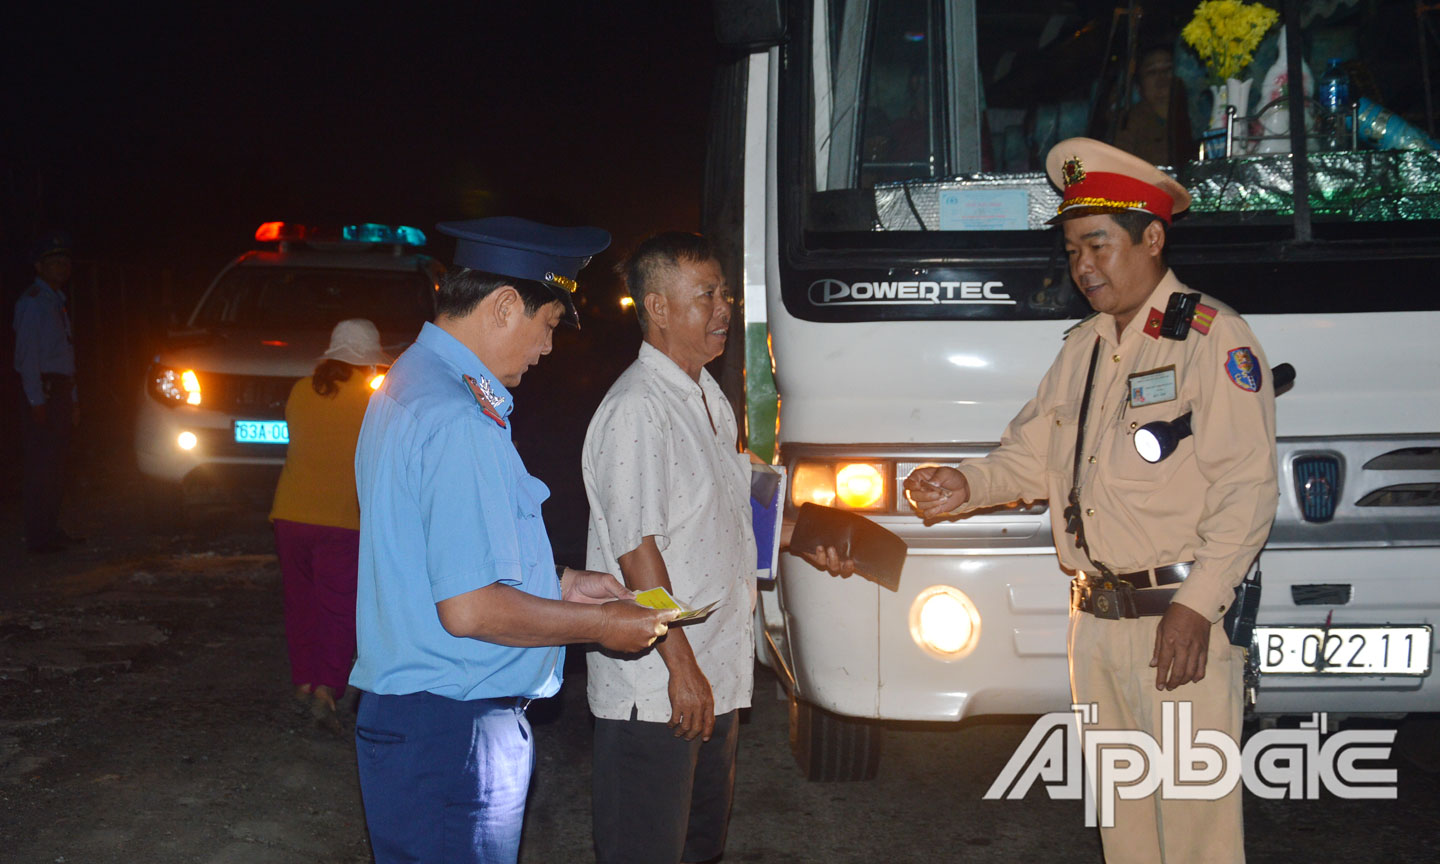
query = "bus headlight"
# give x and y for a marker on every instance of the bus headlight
(860, 485)
(848, 485)
(944, 622)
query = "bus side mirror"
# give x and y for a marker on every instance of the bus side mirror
(749, 25)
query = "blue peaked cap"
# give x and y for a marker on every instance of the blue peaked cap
(54, 243)
(510, 246)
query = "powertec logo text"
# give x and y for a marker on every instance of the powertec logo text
(833, 292)
(1189, 763)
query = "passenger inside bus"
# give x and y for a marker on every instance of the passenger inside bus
(1157, 127)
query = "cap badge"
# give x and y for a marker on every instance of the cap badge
(485, 397)
(563, 281)
(1073, 171)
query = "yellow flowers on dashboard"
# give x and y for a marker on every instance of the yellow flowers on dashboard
(1225, 34)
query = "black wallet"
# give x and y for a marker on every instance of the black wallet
(878, 554)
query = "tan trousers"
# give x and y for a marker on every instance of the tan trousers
(1110, 666)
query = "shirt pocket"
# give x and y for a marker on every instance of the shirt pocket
(531, 493)
(1062, 424)
(1126, 462)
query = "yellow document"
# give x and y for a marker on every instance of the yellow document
(659, 598)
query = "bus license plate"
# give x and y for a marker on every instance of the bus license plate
(261, 432)
(1344, 650)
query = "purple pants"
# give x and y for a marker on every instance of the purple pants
(318, 565)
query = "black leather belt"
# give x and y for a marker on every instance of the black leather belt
(1131, 595)
(1170, 574)
(1116, 603)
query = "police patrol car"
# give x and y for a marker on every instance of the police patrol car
(213, 400)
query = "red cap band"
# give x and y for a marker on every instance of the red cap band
(1102, 189)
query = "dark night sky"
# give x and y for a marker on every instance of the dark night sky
(171, 131)
(161, 136)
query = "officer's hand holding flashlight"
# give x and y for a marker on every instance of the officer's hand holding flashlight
(936, 490)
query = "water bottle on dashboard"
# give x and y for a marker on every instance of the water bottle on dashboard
(1335, 99)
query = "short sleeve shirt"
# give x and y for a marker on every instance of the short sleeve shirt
(660, 459)
(446, 507)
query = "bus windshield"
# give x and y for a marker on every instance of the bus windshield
(936, 116)
(913, 134)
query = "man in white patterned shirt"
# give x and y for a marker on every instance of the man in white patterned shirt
(669, 497)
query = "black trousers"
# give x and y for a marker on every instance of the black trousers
(47, 447)
(658, 799)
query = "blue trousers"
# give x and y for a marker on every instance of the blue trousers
(443, 781)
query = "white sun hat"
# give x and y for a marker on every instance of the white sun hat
(356, 341)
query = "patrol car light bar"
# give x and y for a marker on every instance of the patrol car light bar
(370, 232)
(363, 232)
(269, 232)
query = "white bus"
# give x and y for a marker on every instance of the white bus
(874, 170)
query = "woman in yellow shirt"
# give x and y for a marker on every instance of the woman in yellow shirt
(316, 515)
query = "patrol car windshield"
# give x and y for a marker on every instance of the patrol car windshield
(305, 298)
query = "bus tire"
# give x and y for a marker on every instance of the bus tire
(830, 748)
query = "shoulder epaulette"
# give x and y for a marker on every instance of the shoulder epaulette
(1073, 327)
(32, 291)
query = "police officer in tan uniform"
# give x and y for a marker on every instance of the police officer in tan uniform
(1183, 531)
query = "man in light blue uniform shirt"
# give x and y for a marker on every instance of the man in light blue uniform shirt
(460, 608)
(45, 360)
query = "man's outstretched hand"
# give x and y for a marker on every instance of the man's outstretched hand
(936, 490)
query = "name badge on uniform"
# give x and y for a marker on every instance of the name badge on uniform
(1152, 387)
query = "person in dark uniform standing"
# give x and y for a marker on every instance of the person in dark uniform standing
(461, 611)
(45, 360)
(1160, 543)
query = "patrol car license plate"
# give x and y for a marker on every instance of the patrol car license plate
(261, 432)
(1344, 650)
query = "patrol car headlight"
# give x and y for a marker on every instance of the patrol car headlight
(849, 485)
(186, 440)
(1157, 440)
(944, 622)
(172, 386)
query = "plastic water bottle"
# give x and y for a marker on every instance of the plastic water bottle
(1335, 99)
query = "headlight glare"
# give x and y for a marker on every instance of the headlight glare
(944, 622)
(860, 485)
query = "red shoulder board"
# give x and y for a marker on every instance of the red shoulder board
(1203, 318)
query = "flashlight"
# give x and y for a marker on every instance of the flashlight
(1154, 441)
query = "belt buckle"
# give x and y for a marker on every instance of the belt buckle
(1105, 603)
